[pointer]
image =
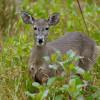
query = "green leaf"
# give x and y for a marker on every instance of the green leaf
(35, 84)
(81, 97)
(46, 58)
(53, 57)
(79, 70)
(53, 66)
(87, 76)
(45, 94)
(71, 54)
(51, 81)
(71, 66)
(30, 94)
(58, 97)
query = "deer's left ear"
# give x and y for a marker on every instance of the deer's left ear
(27, 18)
(54, 19)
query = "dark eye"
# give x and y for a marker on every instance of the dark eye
(46, 28)
(35, 28)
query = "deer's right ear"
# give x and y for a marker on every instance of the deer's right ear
(28, 19)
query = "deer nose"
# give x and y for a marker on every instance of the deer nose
(40, 41)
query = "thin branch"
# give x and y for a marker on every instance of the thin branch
(83, 16)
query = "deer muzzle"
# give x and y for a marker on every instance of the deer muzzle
(40, 40)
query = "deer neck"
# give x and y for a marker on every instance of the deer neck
(40, 51)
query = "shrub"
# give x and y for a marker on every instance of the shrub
(75, 84)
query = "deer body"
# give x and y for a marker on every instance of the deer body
(78, 42)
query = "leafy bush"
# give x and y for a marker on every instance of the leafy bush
(68, 86)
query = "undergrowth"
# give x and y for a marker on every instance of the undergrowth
(73, 84)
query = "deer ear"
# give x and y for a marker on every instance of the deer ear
(27, 18)
(54, 19)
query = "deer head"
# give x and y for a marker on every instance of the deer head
(40, 26)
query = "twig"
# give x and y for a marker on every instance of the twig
(83, 16)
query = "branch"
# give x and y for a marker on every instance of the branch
(83, 16)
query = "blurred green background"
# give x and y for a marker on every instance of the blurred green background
(16, 38)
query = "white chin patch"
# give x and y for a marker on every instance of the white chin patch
(38, 44)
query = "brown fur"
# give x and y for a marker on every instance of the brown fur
(78, 42)
(81, 44)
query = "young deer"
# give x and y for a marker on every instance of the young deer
(78, 42)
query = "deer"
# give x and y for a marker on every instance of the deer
(80, 43)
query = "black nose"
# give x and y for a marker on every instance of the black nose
(40, 41)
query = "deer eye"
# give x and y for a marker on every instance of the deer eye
(47, 28)
(35, 28)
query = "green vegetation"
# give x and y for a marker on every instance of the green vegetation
(17, 41)
(74, 84)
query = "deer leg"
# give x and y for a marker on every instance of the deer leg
(44, 73)
(41, 76)
(33, 70)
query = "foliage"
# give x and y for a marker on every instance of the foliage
(16, 48)
(68, 86)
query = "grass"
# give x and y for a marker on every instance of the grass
(14, 77)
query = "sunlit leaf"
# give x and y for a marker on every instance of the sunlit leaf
(59, 97)
(35, 84)
(51, 81)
